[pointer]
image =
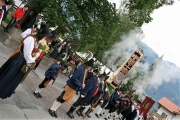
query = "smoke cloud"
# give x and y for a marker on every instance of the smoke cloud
(162, 71)
(122, 50)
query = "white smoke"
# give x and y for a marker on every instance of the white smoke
(122, 50)
(162, 72)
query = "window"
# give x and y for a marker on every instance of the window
(163, 115)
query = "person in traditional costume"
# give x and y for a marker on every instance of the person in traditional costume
(73, 84)
(14, 69)
(97, 95)
(114, 100)
(105, 101)
(51, 74)
(85, 94)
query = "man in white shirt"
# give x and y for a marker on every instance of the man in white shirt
(1, 10)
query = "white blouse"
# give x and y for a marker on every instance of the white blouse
(25, 33)
(28, 48)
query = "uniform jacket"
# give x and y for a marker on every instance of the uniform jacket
(75, 81)
(52, 71)
(90, 88)
(19, 13)
(114, 98)
(100, 91)
(105, 95)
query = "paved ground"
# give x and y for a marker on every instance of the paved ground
(23, 105)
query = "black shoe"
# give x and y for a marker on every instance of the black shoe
(70, 114)
(55, 114)
(36, 95)
(105, 118)
(78, 113)
(39, 94)
(97, 115)
(100, 114)
(51, 112)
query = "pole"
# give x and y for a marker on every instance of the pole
(92, 106)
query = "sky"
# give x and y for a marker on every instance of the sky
(163, 33)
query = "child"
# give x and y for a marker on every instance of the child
(50, 74)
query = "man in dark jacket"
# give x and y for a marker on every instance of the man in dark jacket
(114, 100)
(86, 93)
(99, 91)
(73, 84)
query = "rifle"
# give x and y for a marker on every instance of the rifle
(93, 105)
(84, 76)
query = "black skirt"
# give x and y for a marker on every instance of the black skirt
(11, 75)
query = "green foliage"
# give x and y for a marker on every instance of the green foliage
(139, 11)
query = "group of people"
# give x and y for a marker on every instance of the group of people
(4, 9)
(91, 85)
(19, 14)
(93, 92)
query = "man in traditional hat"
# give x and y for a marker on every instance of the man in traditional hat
(73, 84)
(96, 95)
(86, 93)
(114, 100)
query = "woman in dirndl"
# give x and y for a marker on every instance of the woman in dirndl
(14, 69)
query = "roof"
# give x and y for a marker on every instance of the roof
(169, 105)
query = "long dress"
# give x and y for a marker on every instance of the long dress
(10, 72)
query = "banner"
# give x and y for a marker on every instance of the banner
(146, 105)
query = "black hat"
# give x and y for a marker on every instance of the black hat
(118, 89)
(102, 75)
(44, 31)
(96, 71)
(90, 63)
(53, 37)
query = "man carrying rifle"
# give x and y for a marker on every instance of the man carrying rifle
(86, 93)
(98, 95)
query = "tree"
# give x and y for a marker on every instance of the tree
(139, 11)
